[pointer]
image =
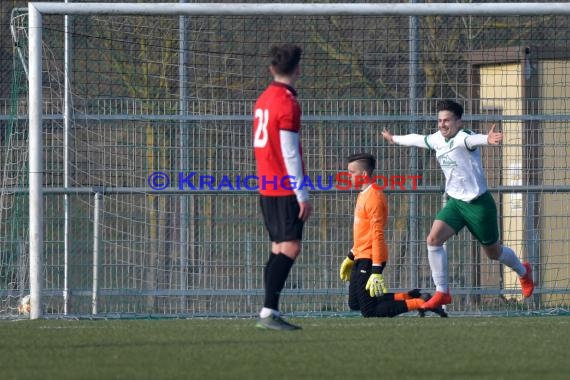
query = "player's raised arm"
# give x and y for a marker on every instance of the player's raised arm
(387, 136)
(407, 140)
(492, 138)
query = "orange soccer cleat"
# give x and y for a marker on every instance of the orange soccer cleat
(439, 299)
(527, 284)
(439, 310)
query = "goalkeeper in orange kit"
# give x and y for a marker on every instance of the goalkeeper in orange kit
(364, 265)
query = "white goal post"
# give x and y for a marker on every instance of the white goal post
(38, 9)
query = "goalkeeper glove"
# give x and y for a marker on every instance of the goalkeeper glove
(346, 267)
(375, 284)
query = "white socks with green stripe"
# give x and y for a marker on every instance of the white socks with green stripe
(437, 257)
(509, 258)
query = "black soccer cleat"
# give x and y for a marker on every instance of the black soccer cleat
(415, 293)
(439, 311)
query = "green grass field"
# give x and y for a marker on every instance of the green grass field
(326, 348)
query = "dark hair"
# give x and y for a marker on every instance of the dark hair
(285, 58)
(451, 106)
(366, 160)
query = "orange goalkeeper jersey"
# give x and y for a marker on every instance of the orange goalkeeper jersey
(370, 219)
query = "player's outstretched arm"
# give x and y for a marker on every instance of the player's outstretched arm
(494, 138)
(406, 140)
(388, 136)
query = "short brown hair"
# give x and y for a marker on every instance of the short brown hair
(366, 161)
(285, 58)
(451, 106)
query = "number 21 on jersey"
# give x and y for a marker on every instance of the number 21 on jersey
(260, 136)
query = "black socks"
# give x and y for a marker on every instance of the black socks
(276, 272)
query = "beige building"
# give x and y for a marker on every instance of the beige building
(518, 83)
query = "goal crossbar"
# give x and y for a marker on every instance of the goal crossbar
(293, 9)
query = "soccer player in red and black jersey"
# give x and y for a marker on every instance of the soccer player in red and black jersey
(280, 168)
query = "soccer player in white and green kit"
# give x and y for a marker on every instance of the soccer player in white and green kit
(469, 202)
